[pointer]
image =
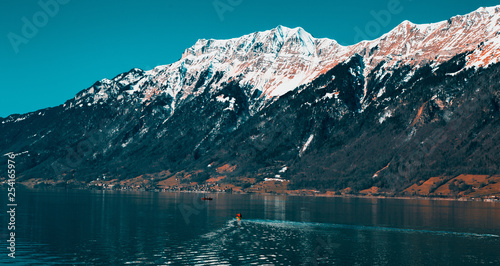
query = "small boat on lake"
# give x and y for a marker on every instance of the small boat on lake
(206, 198)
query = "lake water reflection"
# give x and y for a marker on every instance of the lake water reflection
(106, 227)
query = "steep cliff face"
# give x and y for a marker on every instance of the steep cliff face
(420, 101)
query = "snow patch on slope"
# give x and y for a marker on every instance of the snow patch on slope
(306, 145)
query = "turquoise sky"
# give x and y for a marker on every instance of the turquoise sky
(52, 49)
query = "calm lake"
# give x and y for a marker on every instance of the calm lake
(69, 227)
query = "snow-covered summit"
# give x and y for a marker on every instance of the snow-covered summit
(269, 41)
(273, 62)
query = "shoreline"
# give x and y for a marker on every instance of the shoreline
(305, 193)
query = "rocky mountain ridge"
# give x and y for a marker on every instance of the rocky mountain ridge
(419, 101)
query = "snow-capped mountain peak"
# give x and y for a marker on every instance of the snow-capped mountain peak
(270, 41)
(273, 62)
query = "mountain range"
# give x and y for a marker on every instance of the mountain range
(420, 102)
